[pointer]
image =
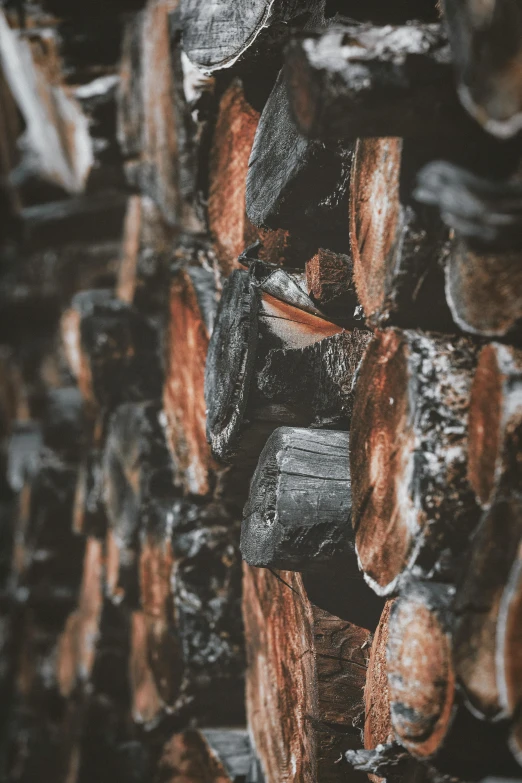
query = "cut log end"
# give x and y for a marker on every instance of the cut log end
(392, 415)
(230, 361)
(421, 677)
(293, 521)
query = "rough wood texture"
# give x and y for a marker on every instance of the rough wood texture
(218, 34)
(274, 352)
(482, 632)
(397, 254)
(295, 183)
(329, 278)
(299, 508)
(351, 82)
(421, 684)
(485, 41)
(155, 126)
(192, 311)
(111, 350)
(508, 656)
(302, 707)
(426, 711)
(412, 503)
(495, 418)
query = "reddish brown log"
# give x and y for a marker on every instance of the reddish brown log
(192, 308)
(77, 645)
(329, 277)
(480, 632)
(146, 253)
(495, 419)
(396, 255)
(427, 715)
(421, 676)
(302, 704)
(412, 504)
(154, 116)
(377, 721)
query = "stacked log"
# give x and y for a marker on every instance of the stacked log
(260, 273)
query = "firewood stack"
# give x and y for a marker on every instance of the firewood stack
(260, 273)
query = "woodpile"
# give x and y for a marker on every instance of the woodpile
(260, 391)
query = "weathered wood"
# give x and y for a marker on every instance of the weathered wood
(329, 278)
(413, 506)
(378, 728)
(358, 81)
(192, 309)
(303, 707)
(427, 715)
(208, 756)
(486, 47)
(298, 512)
(495, 418)
(293, 182)
(397, 253)
(265, 358)
(111, 349)
(231, 230)
(56, 144)
(298, 518)
(155, 126)
(421, 685)
(218, 34)
(138, 487)
(479, 631)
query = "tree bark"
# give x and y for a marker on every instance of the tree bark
(412, 504)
